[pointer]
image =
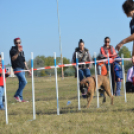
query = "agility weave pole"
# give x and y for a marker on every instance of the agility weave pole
(78, 83)
(109, 68)
(56, 81)
(123, 71)
(33, 89)
(3, 74)
(96, 77)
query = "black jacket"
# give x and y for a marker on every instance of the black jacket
(19, 62)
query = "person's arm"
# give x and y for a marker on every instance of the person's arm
(114, 53)
(7, 74)
(133, 52)
(89, 59)
(27, 68)
(129, 75)
(127, 40)
(103, 53)
(74, 58)
(15, 56)
(116, 70)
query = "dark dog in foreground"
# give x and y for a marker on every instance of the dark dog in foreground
(88, 87)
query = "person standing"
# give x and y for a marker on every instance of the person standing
(109, 49)
(128, 8)
(18, 64)
(118, 76)
(2, 86)
(83, 56)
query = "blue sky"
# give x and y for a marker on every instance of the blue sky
(36, 23)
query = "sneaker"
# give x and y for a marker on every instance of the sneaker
(17, 98)
(24, 101)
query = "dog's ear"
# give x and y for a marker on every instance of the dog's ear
(81, 84)
(87, 83)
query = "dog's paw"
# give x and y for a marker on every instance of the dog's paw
(103, 101)
(87, 107)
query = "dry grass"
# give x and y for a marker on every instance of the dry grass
(117, 119)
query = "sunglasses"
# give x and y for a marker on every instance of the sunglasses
(107, 41)
(18, 43)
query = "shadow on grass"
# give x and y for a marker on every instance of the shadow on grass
(73, 110)
(60, 98)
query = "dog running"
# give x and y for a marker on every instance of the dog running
(88, 87)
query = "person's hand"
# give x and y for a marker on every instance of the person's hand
(30, 74)
(118, 47)
(8, 73)
(118, 79)
(20, 48)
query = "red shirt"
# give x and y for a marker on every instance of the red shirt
(1, 78)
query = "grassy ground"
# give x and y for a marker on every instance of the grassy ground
(116, 119)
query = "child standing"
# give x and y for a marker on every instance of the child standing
(118, 77)
(2, 86)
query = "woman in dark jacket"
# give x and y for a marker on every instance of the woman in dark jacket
(83, 56)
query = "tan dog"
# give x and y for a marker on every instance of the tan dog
(89, 85)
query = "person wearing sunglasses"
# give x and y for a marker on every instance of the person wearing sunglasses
(105, 50)
(18, 64)
(128, 8)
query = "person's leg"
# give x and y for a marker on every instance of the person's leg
(118, 88)
(132, 88)
(81, 75)
(129, 87)
(1, 97)
(22, 84)
(86, 73)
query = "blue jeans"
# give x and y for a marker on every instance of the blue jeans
(84, 72)
(1, 97)
(22, 83)
(118, 88)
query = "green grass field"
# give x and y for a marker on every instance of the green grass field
(116, 119)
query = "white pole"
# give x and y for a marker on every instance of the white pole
(109, 68)
(58, 110)
(60, 39)
(3, 72)
(33, 91)
(96, 77)
(123, 71)
(78, 83)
